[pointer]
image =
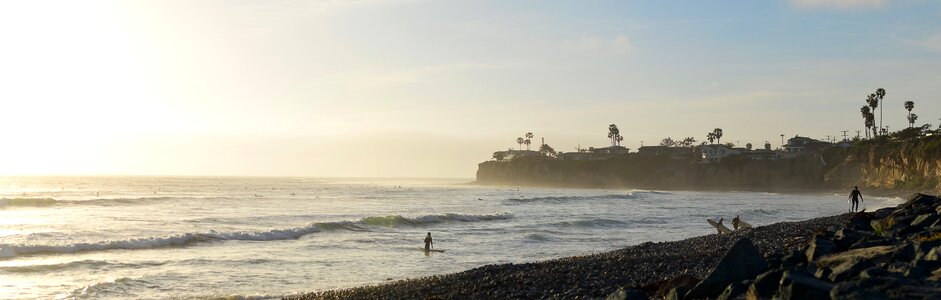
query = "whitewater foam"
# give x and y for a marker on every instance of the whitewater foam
(9, 251)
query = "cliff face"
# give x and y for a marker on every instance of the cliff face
(910, 165)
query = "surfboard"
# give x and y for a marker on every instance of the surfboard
(742, 224)
(720, 227)
(432, 250)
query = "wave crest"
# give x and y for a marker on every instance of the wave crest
(562, 199)
(8, 251)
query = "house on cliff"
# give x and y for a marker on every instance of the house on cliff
(801, 144)
(596, 153)
(715, 153)
(678, 153)
(511, 154)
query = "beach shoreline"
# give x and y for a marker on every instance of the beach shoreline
(595, 275)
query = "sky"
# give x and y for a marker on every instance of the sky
(431, 88)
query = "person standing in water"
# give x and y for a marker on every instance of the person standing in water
(856, 196)
(429, 244)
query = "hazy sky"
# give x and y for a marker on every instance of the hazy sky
(376, 88)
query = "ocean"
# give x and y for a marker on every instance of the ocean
(232, 237)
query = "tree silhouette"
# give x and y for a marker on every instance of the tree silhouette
(520, 141)
(873, 103)
(527, 142)
(668, 142)
(711, 137)
(911, 119)
(909, 105)
(546, 150)
(867, 116)
(718, 135)
(615, 135)
(880, 93)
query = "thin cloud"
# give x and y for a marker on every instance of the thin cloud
(838, 4)
(618, 44)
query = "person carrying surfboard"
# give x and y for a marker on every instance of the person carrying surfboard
(429, 244)
(856, 196)
(735, 222)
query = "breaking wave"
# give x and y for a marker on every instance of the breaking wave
(590, 223)
(562, 199)
(42, 202)
(8, 251)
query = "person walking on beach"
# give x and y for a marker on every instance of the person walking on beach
(856, 196)
(429, 244)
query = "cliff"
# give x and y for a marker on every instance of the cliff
(896, 165)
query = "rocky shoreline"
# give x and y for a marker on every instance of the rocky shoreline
(892, 253)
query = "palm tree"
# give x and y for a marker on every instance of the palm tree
(911, 120)
(865, 111)
(527, 142)
(718, 134)
(909, 105)
(614, 134)
(880, 93)
(618, 140)
(711, 137)
(668, 142)
(520, 141)
(873, 103)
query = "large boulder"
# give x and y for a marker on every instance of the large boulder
(884, 288)
(801, 285)
(846, 237)
(876, 255)
(765, 285)
(627, 294)
(819, 246)
(741, 262)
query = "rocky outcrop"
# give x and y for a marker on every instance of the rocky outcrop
(841, 262)
(899, 165)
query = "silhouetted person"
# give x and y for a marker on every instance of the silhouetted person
(429, 244)
(735, 222)
(720, 225)
(856, 196)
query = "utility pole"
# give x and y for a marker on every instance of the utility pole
(782, 139)
(844, 135)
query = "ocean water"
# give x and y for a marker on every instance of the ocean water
(152, 237)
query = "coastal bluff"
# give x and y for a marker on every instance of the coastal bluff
(913, 165)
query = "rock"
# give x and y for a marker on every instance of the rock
(793, 259)
(873, 272)
(800, 285)
(861, 220)
(908, 270)
(734, 290)
(819, 247)
(924, 220)
(683, 281)
(627, 294)
(920, 200)
(742, 261)
(884, 288)
(765, 285)
(875, 255)
(849, 268)
(676, 294)
(846, 237)
(871, 242)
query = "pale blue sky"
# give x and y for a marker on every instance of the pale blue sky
(430, 88)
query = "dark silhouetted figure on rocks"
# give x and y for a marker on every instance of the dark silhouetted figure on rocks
(856, 196)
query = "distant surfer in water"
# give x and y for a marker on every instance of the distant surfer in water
(429, 244)
(735, 222)
(856, 196)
